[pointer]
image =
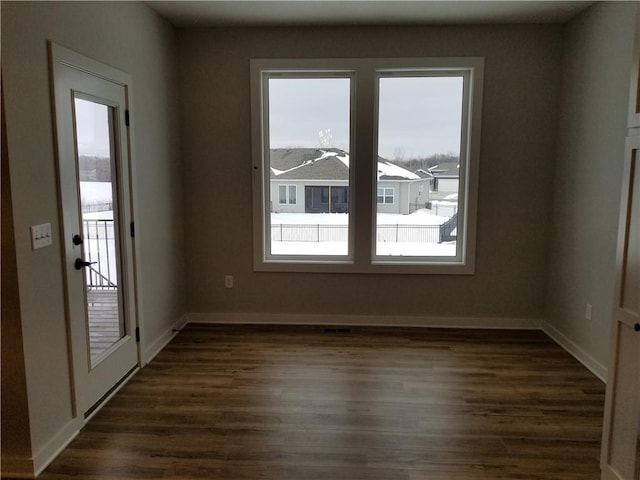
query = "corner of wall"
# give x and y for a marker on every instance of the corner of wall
(588, 170)
(15, 428)
(157, 345)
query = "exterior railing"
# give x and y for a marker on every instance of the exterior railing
(408, 233)
(308, 233)
(338, 233)
(99, 242)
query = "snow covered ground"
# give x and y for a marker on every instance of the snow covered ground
(102, 250)
(422, 217)
(95, 195)
(404, 249)
(419, 217)
(99, 239)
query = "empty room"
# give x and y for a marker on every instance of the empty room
(320, 240)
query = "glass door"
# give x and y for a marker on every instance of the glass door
(91, 101)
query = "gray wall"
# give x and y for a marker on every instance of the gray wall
(132, 38)
(14, 428)
(522, 74)
(523, 271)
(597, 54)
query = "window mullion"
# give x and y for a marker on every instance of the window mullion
(363, 172)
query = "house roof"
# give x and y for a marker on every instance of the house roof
(309, 164)
(325, 164)
(446, 169)
(390, 171)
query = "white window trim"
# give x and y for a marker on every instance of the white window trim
(365, 73)
(384, 195)
(287, 199)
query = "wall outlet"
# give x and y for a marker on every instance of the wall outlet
(587, 312)
(41, 236)
(228, 281)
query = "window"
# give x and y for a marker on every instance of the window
(385, 195)
(287, 194)
(306, 132)
(414, 160)
(419, 130)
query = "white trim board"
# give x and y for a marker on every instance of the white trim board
(156, 347)
(24, 467)
(593, 365)
(55, 446)
(365, 320)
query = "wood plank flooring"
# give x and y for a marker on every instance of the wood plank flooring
(255, 402)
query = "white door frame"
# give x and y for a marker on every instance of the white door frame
(67, 62)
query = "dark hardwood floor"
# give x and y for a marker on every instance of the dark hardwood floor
(253, 402)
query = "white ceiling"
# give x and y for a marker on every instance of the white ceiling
(381, 12)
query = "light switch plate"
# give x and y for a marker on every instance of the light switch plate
(41, 235)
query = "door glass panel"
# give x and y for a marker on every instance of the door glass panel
(98, 199)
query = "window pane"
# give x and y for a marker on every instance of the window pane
(419, 138)
(282, 198)
(309, 125)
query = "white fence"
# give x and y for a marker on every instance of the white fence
(339, 233)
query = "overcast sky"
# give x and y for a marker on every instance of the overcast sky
(419, 116)
(92, 128)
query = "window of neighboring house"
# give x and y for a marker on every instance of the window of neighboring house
(287, 194)
(414, 116)
(385, 195)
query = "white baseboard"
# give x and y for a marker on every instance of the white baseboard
(56, 445)
(156, 347)
(19, 467)
(364, 320)
(597, 368)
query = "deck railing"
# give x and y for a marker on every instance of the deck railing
(100, 247)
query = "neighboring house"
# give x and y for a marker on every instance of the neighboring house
(443, 185)
(444, 180)
(308, 180)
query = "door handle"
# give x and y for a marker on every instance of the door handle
(79, 264)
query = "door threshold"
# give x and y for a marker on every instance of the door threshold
(110, 393)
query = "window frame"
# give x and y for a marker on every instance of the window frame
(365, 74)
(467, 98)
(385, 196)
(287, 194)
